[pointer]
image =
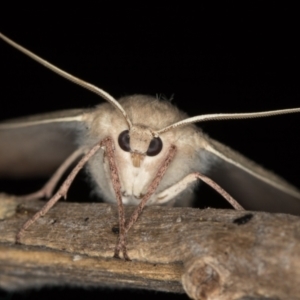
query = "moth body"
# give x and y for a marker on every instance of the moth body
(148, 114)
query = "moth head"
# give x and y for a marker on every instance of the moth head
(140, 141)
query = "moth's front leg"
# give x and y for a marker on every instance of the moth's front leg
(109, 149)
(180, 186)
(109, 152)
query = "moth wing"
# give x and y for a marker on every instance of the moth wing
(37, 145)
(251, 185)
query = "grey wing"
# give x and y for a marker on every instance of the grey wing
(37, 145)
(252, 186)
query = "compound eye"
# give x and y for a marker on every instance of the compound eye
(155, 146)
(124, 140)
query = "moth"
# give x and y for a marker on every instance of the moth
(139, 151)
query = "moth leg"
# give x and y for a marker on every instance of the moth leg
(62, 192)
(173, 191)
(220, 190)
(176, 189)
(152, 188)
(47, 190)
(121, 243)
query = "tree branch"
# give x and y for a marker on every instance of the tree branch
(210, 254)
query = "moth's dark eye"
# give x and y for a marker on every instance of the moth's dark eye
(155, 146)
(124, 140)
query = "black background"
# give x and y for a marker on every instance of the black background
(227, 58)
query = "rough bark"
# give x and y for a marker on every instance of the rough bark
(209, 254)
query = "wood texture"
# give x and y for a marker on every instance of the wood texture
(209, 254)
